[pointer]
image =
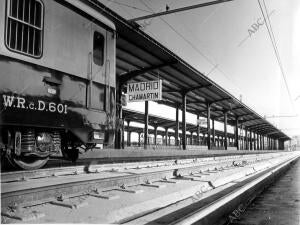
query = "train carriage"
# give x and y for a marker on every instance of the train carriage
(57, 80)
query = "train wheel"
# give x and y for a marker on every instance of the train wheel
(28, 163)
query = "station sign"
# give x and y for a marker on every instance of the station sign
(144, 91)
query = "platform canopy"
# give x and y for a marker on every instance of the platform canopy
(141, 58)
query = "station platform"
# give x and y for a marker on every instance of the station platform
(279, 204)
(162, 152)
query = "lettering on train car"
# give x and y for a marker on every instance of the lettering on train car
(10, 101)
(144, 91)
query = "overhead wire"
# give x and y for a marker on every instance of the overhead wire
(182, 36)
(129, 6)
(274, 44)
(215, 66)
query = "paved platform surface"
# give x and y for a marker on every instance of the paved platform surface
(278, 205)
(130, 153)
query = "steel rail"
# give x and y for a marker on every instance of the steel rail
(49, 192)
(14, 176)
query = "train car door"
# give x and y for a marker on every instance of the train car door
(97, 72)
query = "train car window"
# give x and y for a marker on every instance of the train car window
(98, 48)
(24, 27)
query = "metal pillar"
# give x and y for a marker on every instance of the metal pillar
(236, 133)
(263, 143)
(251, 144)
(208, 126)
(183, 121)
(192, 138)
(146, 122)
(155, 135)
(122, 135)
(167, 135)
(255, 141)
(213, 133)
(177, 126)
(139, 140)
(246, 139)
(128, 133)
(225, 130)
(198, 131)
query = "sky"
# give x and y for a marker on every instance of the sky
(230, 44)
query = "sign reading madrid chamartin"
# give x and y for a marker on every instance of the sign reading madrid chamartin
(144, 91)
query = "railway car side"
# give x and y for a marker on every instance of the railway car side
(57, 72)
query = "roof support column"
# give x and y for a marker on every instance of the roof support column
(183, 121)
(243, 139)
(271, 147)
(208, 126)
(263, 142)
(257, 143)
(246, 139)
(251, 144)
(155, 135)
(198, 131)
(213, 133)
(223, 142)
(167, 135)
(254, 141)
(177, 127)
(225, 130)
(146, 122)
(122, 135)
(236, 133)
(128, 133)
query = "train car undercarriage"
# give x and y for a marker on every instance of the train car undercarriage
(29, 148)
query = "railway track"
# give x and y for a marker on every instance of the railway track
(23, 193)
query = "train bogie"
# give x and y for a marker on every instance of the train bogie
(57, 89)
